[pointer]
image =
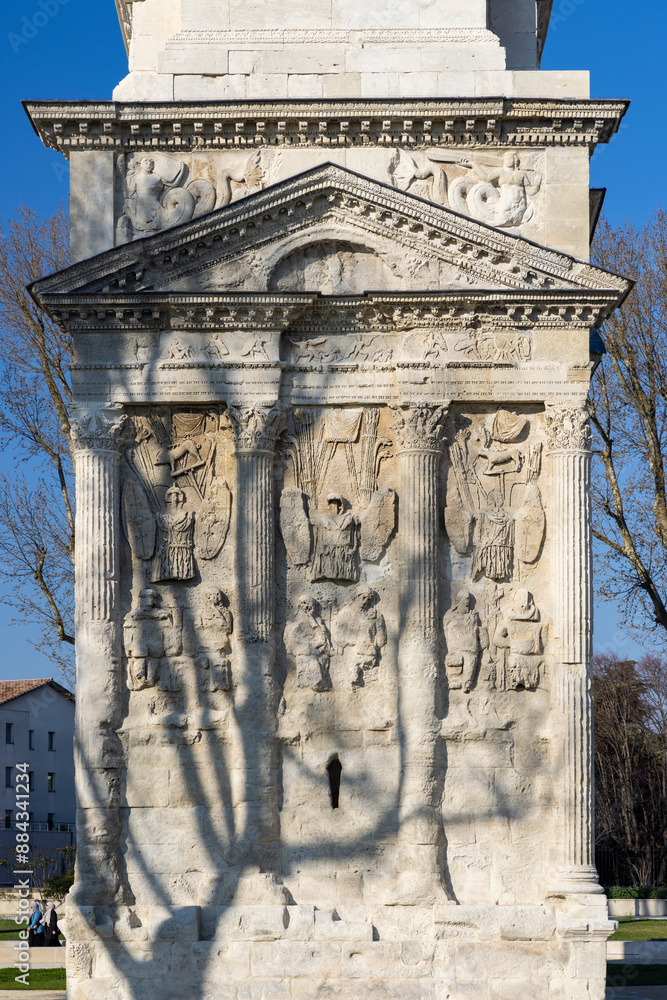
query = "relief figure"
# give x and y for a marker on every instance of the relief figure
(213, 643)
(336, 542)
(360, 629)
(499, 195)
(493, 541)
(148, 637)
(174, 557)
(521, 635)
(156, 199)
(466, 639)
(308, 642)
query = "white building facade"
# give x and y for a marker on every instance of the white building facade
(37, 730)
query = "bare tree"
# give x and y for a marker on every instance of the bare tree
(36, 497)
(630, 702)
(628, 408)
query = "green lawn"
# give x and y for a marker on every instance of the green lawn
(620, 974)
(630, 929)
(9, 929)
(39, 979)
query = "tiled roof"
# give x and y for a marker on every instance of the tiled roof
(13, 689)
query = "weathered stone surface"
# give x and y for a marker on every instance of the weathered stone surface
(333, 548)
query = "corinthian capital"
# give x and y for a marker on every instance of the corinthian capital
(256, 428)
(567, 428)
(96, 426)
(419, 426)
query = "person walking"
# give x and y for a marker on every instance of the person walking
(35, 928)
(50, 922)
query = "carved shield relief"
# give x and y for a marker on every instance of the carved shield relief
(213, 520)
(138, 521)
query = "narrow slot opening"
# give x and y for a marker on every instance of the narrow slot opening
(334, 770)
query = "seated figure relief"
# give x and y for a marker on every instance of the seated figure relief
(520, 635)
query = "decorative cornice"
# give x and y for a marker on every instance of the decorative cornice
(378, 311)
(69, 126)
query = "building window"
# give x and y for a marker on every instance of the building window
(9, 732)
(9, 775)
(51, 781)
(49, 820)
(31, 817)
(9, 816)
(31, 739)
(31, 781)
(52, 741)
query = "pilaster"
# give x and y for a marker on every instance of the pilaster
(256, 430)
(568, 441)
(96, 440)
(419, 435)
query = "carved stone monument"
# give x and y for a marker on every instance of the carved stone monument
(332, 351)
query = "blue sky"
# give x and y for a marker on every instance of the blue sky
(76, 52)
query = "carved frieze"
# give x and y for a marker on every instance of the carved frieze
(498, 190)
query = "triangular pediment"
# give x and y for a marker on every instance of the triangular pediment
(332, 231)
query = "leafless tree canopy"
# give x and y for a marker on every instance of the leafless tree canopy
(631, 763)
(36, 497)
(628, 410)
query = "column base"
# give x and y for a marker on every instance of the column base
(575, 879)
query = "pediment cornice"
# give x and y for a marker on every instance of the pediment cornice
(309, 313)
(80, 126)
(334, 199)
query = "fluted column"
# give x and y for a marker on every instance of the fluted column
(421, 839)
(96, 431)
(568, 438)
(255, 691)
